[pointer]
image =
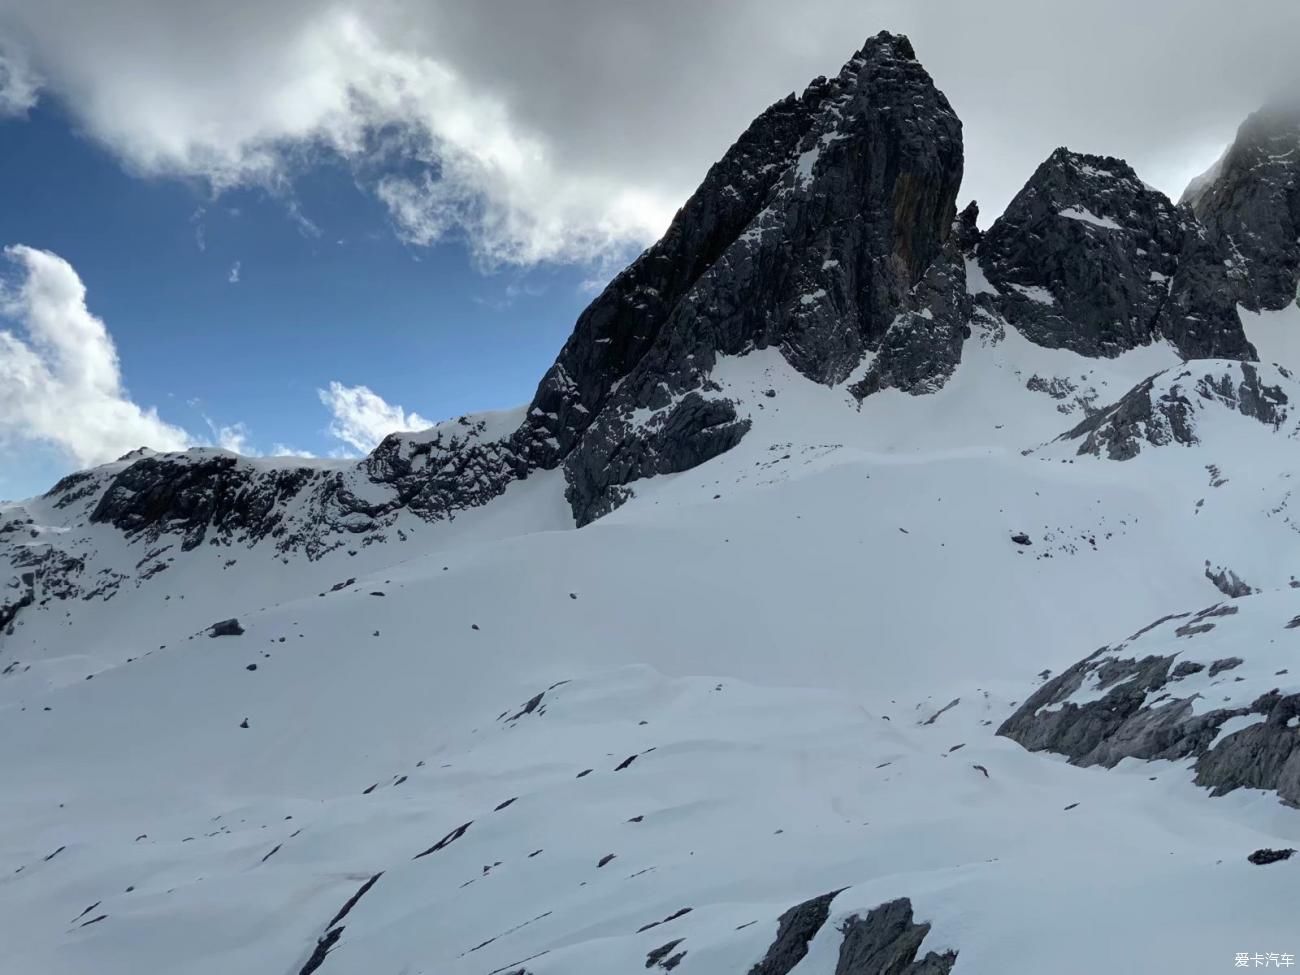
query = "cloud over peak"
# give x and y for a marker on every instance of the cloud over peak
(362, 417)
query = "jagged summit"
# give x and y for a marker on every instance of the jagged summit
(1089, 258)
(809, 235)
(1249, 204)
(1277, 121)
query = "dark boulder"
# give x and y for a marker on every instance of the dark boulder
(1262, 857)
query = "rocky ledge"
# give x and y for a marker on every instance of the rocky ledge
(1169, 407)
(1212, 686)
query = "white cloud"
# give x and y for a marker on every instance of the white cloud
(237, 104)
(60, 383)
(282, 450)
(237, 438)
(233, 276)
(547, 131)
(233, 437)
(362, 417)
(19, 86)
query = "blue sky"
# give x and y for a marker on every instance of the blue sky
(324, 292)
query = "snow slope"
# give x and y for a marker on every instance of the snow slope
(1275, 334)
(804, 647)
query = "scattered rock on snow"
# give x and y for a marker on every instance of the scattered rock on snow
(228, 627)
(1262, 857)
(659, 955)
(1228, 582)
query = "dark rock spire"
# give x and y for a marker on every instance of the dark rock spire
(813, 234)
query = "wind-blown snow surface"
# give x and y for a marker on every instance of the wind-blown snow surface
(784, 670)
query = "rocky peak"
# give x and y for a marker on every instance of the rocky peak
(810, 235)
(1249, 203)
(1089, 258)
(826, 231)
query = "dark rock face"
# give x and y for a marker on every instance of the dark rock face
(1250, 207)
(228, 627)
(213, 496)
(192, 495)
(1088, 258)
(1135, 709)
(969, 234)
(1228, 582)
(886, 942)
(814, 234)
(922, 346)
(689, 433)
(795, 929)
(1200, 315)
(1162, 409)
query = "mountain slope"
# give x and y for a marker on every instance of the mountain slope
(790, 705)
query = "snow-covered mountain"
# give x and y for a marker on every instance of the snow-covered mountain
(763, 641)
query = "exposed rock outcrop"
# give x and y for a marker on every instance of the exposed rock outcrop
(922, 346)
(1117, 704)
(1089, 258)
(884, 942)
(887, 941)
(1165, 408)
(795, 929)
